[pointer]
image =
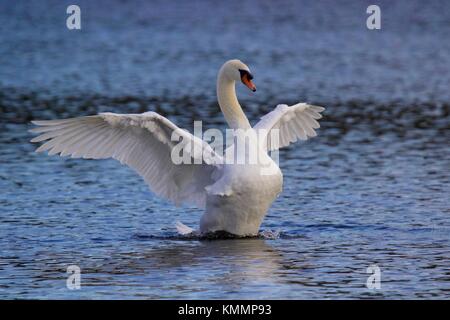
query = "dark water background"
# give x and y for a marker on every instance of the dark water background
(372, 188)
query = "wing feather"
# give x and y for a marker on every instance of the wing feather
(294, 123)
(141, 141)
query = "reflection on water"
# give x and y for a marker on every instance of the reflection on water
(222, 264)
(171, 269)
(372, 188)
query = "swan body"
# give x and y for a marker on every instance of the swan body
(235, 192)
(242, 211)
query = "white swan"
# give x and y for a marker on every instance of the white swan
(235, 195)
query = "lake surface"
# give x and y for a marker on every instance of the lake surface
(372, 188)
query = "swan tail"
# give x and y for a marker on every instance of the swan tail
(183, 229)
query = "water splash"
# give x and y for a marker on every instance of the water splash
(217, 235)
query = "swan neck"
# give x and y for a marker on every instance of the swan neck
(229, 104)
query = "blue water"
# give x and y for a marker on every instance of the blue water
(372, 188)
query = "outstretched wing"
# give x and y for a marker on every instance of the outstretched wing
(294, 122)
(141, 141)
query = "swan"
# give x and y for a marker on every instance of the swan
(235, 195)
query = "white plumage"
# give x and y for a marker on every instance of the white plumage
(141, 141)
(295, 122)
(236, 196)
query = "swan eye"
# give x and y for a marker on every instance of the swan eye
(245, 73)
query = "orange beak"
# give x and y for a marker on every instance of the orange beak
(246, 79)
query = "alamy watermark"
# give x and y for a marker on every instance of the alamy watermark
(373, 22)
(374, 280)
(239, 146)
(73, 281)
(73, 21)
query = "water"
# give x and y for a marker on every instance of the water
(372, 188)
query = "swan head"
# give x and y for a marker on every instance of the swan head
(236, 70)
